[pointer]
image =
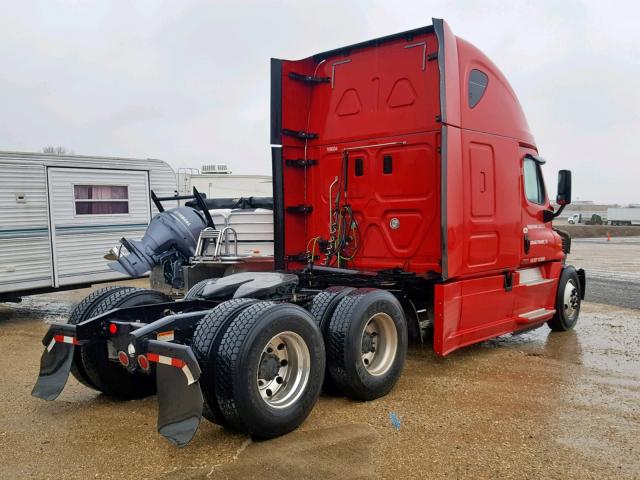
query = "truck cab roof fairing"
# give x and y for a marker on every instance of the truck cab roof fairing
(498, 111)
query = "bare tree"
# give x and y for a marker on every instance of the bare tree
(59, 150)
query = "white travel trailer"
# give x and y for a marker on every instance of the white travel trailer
(59, 214)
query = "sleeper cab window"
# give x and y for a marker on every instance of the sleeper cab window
(101, 199)
(533, 183)
(478, 82)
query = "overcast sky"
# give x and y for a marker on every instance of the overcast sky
(188, 81)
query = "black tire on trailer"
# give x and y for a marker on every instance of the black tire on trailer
(109, 377)
(269, 369)
(568, 300)
(322, 307)
(80, 313)
(206, 339)
(195, 292)
(367, 343)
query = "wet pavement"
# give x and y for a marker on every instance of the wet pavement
(536, 405)
(613, 269)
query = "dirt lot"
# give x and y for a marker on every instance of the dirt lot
(537, 405)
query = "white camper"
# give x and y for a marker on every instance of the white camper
(59, 214)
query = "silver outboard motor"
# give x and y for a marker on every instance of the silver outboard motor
(170, 231)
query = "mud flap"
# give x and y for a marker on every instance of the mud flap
(180, 399)
(55, 365)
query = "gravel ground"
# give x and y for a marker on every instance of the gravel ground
(536, 405)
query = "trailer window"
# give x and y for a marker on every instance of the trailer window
(101, 199)
(533, 183)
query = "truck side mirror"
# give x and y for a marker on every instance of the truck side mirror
(564, 187)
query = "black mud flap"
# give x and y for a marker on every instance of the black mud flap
(55, 365)
(179, 396)
(582, 278)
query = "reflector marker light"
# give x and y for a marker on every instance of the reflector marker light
(123, 358)
(173, 362)
(143, 362)
(113, 328)
(62, 339)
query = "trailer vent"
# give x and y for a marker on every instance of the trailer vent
(215, 168)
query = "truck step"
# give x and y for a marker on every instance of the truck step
(535, 315)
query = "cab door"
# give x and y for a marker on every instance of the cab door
(535, 281)
(538, 238)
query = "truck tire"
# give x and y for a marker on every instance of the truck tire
(322, 307)
(367, 343)
(269, 369)
(80, 313)
(568, 299)
(195, 292)
(107, 376)
(206, 339)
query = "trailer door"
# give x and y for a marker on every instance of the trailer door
(25, 257)
(91, 209)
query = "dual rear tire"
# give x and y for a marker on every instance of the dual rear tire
(262, 366)
(366, 342)
(91, 365)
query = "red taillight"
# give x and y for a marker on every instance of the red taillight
(143, 362)
(113, 328)
(123, 358)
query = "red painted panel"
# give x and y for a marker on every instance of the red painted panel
(484, 227)
(470, 311)
(376, 92)
(410, 195)
(499, 111)
(383, 94)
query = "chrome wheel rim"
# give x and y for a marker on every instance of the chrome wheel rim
(379, 344)
(571, 301)
(283, 370)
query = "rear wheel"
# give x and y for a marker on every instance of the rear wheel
(195, 292)
(206, 341)
(568, 301)
(107, 376)
(322, 308)
(367, 343)
(269, 369)
(80, 313)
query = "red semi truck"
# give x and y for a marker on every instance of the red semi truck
(409, 201)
